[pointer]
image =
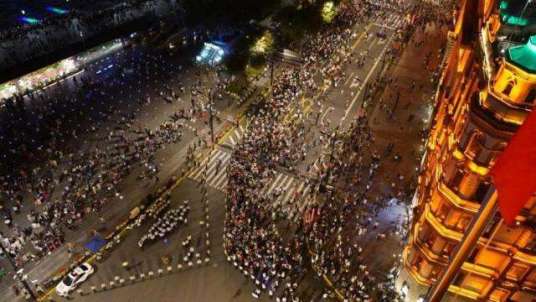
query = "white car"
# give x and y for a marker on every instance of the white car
(74, 278)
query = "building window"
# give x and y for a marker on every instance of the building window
(471, 282)
(531, 96)
(424, 233)
(481, 191)
(455, 181)
(517, 271)
(475, 144)
(449, 247)
(532, 276)
(508, 89)
(531, 248)
(463, 223)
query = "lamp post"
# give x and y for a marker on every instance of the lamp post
(210, 96)
(211, 116)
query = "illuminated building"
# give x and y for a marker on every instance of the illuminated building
(211, 54)
(487, 88)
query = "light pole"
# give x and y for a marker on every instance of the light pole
(210, 96)
(211, 116)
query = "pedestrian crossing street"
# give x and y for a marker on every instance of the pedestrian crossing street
(283, 189)
(213, 169)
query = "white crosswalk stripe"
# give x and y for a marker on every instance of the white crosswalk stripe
(286, 187)
(398, 22)
(235, 137)
(213, 169)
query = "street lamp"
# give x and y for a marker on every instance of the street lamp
(210, 96)
(329, 11)
(211, 116)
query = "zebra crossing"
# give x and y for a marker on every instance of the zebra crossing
(283, 189)
(235, 136)
(393, 21)
(213, 169)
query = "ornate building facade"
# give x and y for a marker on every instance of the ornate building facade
(488, 87)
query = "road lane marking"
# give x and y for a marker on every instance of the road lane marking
(367, 28)
(366, 80)
(330, 108)
(351, 76)
(385, 26)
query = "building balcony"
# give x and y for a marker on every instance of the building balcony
(439, 227)
(413, 270)
(426, 250)
(456, 201)
(490, 121)
(469, 164)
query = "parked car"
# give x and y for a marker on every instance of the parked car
(74, 278)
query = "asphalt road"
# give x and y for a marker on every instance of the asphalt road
(219, 281)
(164, 71)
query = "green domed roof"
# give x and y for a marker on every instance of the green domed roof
(524, 55)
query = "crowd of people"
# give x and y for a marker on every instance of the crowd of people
(252, 240)
(40, 202)
(277, 257)
(68, 149)
(166, 224)
(348, 215)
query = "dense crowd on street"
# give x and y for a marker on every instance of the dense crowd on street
(252, 240)
(164, 225)
(89, 142)
(67, 150)
(325, 239)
